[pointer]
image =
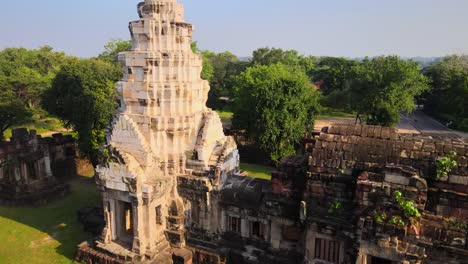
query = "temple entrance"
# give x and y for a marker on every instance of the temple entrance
(124, 222)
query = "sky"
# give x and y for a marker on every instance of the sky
(349, 28)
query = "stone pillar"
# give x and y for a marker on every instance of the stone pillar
(48, 169)
(362, 258)
(223, 221)
(275, 238)
(138, 227)
(245, 227)
(107, 236)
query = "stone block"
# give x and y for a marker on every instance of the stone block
(459, 149)
(357, 130)
(457, 179)
(448, 148)
(386, 133)
(397, 179)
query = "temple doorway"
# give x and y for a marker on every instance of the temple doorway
(124, 222)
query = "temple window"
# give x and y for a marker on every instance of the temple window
(159, 216)
(32, 173)
(234, 224)
(257, 230)
(195, 212)
(327, 250)
(128, 218)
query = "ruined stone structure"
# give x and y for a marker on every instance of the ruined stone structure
(172, 192)
(32, 167)
(337, 204)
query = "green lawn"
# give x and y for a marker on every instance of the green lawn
(41, 125)
(225, 114)
(48, 234)
(257, 171)
(328, 112)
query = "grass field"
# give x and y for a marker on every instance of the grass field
(47, 234)
(225, 115)
(257, 171)
(41, 125)
(327, 112)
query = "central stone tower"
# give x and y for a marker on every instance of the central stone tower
(162, 133)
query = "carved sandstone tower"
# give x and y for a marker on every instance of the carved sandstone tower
(162, 132)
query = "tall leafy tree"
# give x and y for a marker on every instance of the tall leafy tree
(27, 74)
(12, 112)
(333, 72)
(225, 66)
(275, 105)
(381, 88)
(113, 48)
(24, 77)
(207, 69)
(448, 98)
(268, 56)
(83, 96)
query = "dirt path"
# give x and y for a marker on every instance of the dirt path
(50, 133)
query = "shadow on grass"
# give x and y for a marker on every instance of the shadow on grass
(49, 233)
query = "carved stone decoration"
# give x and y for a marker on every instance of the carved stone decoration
(131, 183)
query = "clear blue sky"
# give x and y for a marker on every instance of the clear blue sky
(351, 28)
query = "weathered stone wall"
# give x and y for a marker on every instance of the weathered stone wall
(30, 167)
(361, 167)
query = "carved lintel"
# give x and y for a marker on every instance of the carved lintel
(131, 184)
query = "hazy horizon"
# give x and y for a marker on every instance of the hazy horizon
(358, 28)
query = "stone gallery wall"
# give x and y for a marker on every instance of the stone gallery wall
(32, 167)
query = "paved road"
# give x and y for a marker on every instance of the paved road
(429, 126)
(417, 122)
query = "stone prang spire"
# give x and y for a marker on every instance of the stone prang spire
(162, 134)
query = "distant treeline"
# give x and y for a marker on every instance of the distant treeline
(274, 95)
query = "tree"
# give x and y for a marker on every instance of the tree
(268, 56)
(275, 105)
(225, 66)
(83, 96)
(448, 98)
(113, 48)
(207, 69)
(219, 69)
(26, 74)
(12, 112)
(333, 72)
(383, 87)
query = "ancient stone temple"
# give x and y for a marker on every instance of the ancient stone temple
(32, 167)
(163, 134)
(172, 191)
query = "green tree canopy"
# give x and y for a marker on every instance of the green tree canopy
(24, 77)
(83, 96)
(275, 105)
(113, 48)
(448, 98)
(268, 56)
(12, 112)
(207, 70)
(333, 71)
(26, 74)
(382, 87)
(225, 67)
